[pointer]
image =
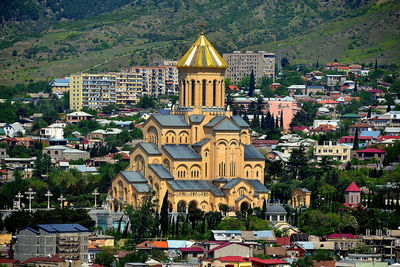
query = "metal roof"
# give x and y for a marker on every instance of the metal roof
(231, 183)
(150, 148)
(279, 209)
(181, 152)
(263, 233)
(161, 171)
(240, 121)
(61, 228)
(142, 188)
(196, 118)
(133, 177)
(254, 183)
(214, 121)
(195, 185)
(201, 142)
(170, 120)
(226, 125)
(250, 152)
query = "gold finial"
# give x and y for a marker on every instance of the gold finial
(202, 25)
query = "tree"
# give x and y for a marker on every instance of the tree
(355, 86)
(42, 165)
(136, 256)
(369, 112)
(298, 162)
(284, 62)
(164, 215)
(255, 123)
(376, 63)
(146, 102)
(281, 122)
(252, 84)
(194, 215)
(143, 218)
(356, 145)
(105, 258)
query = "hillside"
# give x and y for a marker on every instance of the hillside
(52, 38)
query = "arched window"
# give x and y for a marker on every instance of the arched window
(193, 91)
(204, 86)
(183, 93)
(242, 191)
(214, 92)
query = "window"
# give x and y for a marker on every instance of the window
(193, 91)
(204, 92)
(214, 92)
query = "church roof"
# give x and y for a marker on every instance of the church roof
(181, 152)
(214, 121)
(240, 121)
(352, 188)
(196, 118)
(276, 209)
(226, 125)
(170, 120)
(202, 55)
(194, 185)
(201, 142)
(133, 177)
(142, 188)
(150, 148)
(250, 152)
(161, 171)
(254, 183)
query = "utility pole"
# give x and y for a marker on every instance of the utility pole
(48, 195)
(61, 199)
(30, 196)
(19, 196)
(95, 194)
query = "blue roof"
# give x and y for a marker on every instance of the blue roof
(142, 188)
(254, 183)
(263, 233)
(238, 232)
(226, 125)
(306, 245)
(164, 111)
(215, 121)
(61, 228)
(181, 152)
(174, 244)
(161, 171)
(150, 148)
(195, 185)
(201, 142)
(240, 121)
(134, 177)
(250, 152)
(374, 134)
(170, 120)
(196, 118)
(242, 197)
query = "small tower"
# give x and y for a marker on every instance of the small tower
(352, 195)
(201, 76)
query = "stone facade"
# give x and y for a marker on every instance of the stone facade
(200, 154)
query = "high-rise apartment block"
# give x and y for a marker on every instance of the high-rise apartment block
(128, 87)
(240, 64)
(92, 91)
(69, 241)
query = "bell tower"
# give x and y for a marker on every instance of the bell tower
(201, 76)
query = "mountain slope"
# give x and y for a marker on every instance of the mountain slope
(56, 40)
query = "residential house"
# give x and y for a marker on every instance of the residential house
(229, 249)
(276, 214)
(54, 131)
(334, 123)
(392, 131)
(194, 252)
(48, 261)
(332, 150)
(333, 80)
(371, 153)
(381, 244)
(360, 127)
(8, 262)
(343, 242)
(24, 165)
(373, 134)
(60, 85)
(102, 134)
(78, 116)
(349, 140)
(57, 153)
(227, 235)
(69, 241)
(237, 261)
(323, 129)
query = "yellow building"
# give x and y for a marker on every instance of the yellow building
(128, 87)
(301, 198)
(200, 154)
(332, 150)
(92, 91)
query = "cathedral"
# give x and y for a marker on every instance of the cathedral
(200, 154)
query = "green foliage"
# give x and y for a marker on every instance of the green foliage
(105, 258)
(306, 116)
(42, 165)
(164, 215)
(146, 102)
(136, 256)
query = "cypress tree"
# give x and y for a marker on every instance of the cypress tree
(356, 145)
(173, 228)
(164, 215)
(262, 123)
(317, 66)
(276, 123)
(389, 108)
(246, 118)
(255, 123)
(264, 206)
(177, 227)
(369, 112)
(355, 86)
(282, 120)
(376, 63)
(252, 84)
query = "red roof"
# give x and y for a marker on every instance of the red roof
(43, 259)
(283, 241)
(5, 261)
(267, 261)
(352, 188)
(343, 139)
(386, 137)
(328, 101)
(339, 236)
(300, 128)
(371, 150)
(232, 259)
(375, 91)
(192, 249)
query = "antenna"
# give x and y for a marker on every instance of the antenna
(202, 25)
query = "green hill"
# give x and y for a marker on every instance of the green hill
(52, 38)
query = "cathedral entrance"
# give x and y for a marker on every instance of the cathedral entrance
(244, 206)
(181, 206)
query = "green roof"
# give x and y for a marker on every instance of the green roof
(350, 115)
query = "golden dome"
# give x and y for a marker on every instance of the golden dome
(202, 55)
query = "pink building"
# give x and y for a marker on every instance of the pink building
(287, 106)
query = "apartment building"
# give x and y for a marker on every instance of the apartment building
(153, 79)
(240, 64)
(332, 150)
(69, 241)
(60, 85)
(128, 87)
(93, 91)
